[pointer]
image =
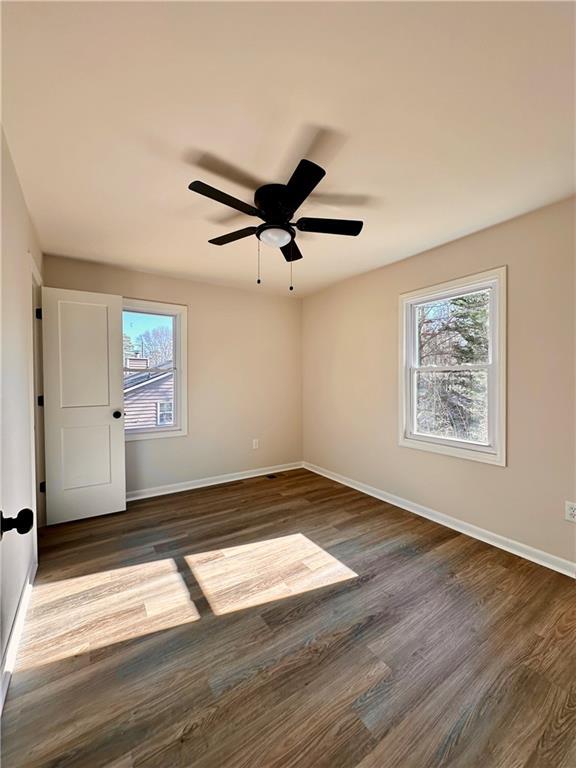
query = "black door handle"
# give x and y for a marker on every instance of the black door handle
(22, 523)
(117, 414)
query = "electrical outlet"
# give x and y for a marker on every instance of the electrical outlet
(255, 444)
(570, 513)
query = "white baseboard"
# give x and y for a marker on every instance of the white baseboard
(203, 482)
(15, 634)
(566, 567)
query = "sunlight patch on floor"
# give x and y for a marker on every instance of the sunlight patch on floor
(77, 616)
(253, 574)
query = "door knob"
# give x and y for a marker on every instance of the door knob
(22, 523)
(117, 414)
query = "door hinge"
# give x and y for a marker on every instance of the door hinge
(41, 401)
(38, 313)
(42, 486)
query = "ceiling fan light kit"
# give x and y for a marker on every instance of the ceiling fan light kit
(275, 236)
(276, 204)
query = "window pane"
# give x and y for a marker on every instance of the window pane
(454, 331)
(148, 370)
(453, 405)
(141, 404)
(148, 340)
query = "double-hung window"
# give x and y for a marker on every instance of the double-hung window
(154, 342)
(453, 368)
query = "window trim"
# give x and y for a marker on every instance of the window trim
(180, 314)
(495, 452)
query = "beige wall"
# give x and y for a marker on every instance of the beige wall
(350, 383)
(244, 374)
(245, 377)
(17, 477)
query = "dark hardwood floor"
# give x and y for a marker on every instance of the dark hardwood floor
(443, 651)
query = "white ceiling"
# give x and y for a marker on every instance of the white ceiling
(456, 116)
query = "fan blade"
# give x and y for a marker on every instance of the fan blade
(303, 181)
(222, 197)
(291, 251)
(314, 142)
(231, 236)
(228, 171)
(330, 226)
(322, 144)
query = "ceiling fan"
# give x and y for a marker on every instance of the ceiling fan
(276, 204)
(318, 143)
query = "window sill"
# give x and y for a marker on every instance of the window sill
(487, 457)
(131, 436)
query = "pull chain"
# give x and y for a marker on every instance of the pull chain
(291, 281)
(258, 281)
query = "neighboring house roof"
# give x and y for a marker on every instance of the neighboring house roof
(144, 377)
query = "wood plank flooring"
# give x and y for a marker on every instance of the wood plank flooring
(441, 652)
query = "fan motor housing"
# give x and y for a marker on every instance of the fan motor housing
(273, 202)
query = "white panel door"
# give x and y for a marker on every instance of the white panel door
(83, 404)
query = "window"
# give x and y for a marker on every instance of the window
(453, 368)
(154, 342)
(164, 412)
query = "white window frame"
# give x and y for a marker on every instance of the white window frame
(180, 314)
(494, 452)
